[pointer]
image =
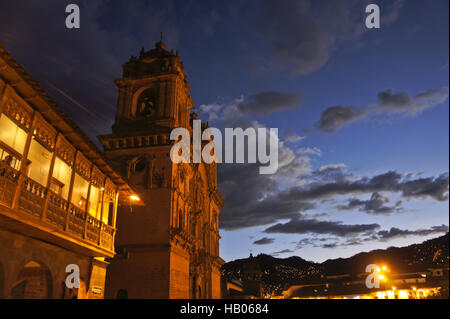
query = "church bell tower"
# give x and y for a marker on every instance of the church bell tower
(168, 247)
(153, 93)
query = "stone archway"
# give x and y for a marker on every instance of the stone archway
(33, 282)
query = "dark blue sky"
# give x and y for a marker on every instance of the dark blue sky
(362, 114)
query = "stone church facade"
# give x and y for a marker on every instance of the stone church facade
(167, 247)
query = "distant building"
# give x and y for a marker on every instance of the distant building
(418, 284)
(58, 195)
(233, 289)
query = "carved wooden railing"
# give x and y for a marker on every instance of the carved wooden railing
(44, 205)
(8, 183)
(32, 197)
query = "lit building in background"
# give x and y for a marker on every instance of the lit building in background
(58, 195)
(428, 283)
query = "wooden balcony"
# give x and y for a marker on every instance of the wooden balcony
(30, 208)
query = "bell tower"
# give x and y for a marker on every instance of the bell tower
(168, 247)
(153, 93)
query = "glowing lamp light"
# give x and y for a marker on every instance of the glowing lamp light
(381, 295)
(134, 197)
(382, 277)
(402, 294)
(384, 268)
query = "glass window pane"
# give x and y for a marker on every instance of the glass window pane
(40, 159)
(80, 190)
(62, 172)
(106, 208)
(11, 134)
(95, 202)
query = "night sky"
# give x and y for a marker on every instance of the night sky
(363, 115)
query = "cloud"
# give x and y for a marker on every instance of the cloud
(314, 242)
(331, 172)
(303, 226)
(404, 103)
(258, 204)
(310, 151)
(264, 241)
(284, 251)
(303, 40)
(333, 118)
(264, 203)
(292, 137)
(436, 188)
(389, 103)
(375, 205)
(270, 102)
(394, 232)
(394, 102)
(431, 98)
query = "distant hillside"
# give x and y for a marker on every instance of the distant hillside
(279, 272)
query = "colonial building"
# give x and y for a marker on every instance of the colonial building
(168, 248)
(58, 195)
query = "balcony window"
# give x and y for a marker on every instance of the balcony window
(107, 208)
(40, 159)
(80, 190)
(62, 174)
(11, 134)
(95, 202)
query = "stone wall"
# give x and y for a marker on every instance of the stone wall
(142, 271)
(17, 250)
(179, 274)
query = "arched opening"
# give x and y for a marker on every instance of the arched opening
(34, 282)
(144, 103)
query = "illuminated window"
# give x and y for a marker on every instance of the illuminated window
(95, 202)
(80, 190)
(11, 134)
(107, 208)
(40, 159)
(62, 174)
